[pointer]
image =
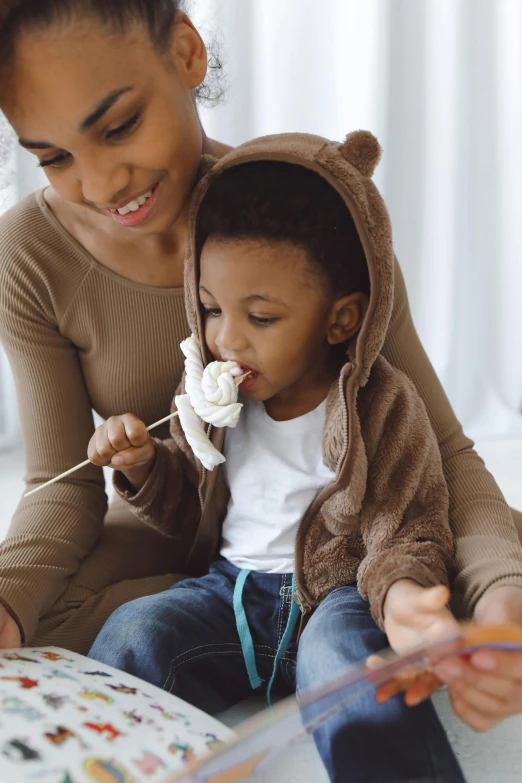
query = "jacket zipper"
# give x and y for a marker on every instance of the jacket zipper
(301, 602)
(305, 601)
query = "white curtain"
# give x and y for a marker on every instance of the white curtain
(438, 81)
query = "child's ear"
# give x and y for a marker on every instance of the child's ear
(347, 316)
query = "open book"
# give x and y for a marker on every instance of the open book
(66, 719)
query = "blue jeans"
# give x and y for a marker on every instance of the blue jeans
(185, 641)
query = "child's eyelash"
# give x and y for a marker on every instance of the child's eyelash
(262, 321)
(215, 312)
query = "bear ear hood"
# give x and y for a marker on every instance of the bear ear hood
(362, 150)
(347, 167)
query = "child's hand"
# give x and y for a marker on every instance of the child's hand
(414, 615)
(123, 443)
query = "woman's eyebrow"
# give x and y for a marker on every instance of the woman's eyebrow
(91, 119)
(103, 107)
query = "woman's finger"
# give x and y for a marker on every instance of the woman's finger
(502, 663)
(483, 703)
(475, 719)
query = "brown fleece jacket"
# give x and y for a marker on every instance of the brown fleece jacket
(385, 515)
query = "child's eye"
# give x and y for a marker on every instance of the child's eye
(262, 321)
(125, 129)
(213, 311)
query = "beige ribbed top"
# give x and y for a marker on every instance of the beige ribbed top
(80, 337)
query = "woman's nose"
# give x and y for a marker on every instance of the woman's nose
(103, 184)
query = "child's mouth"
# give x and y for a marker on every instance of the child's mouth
(250, 379)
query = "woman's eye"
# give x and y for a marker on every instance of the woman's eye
(125, 129)
(56, 163)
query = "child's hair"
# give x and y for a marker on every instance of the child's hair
(118, 16)
(283, 201)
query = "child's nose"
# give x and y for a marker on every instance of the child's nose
(230, 339)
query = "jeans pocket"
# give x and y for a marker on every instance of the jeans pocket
(203, 653)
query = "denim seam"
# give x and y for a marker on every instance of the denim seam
(174, 665)
(222, 644)
(280, 612)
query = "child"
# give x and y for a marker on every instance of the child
(332, 497)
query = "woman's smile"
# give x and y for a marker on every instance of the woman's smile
(137, 210)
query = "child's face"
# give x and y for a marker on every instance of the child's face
(268, 310)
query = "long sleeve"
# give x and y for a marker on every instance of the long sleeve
(404, 519)
(79, 338)
(488, 550)
(169, 500)
(53, 531)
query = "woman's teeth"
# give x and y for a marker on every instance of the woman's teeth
(133, 206)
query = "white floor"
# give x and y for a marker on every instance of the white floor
(494, 757)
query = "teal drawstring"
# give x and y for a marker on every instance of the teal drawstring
(245, 636)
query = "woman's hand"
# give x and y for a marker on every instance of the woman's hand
(414, 615)
(123, 443)
(488, 688)
(10, 637)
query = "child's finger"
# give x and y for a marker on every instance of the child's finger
(375, 661)
(116, 433)
(103, 450)
(419, 604)
(135, 430)
(433, 599)
(133, 457)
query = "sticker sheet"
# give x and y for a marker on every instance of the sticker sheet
(67, 719)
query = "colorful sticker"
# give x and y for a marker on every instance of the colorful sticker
(106, 771)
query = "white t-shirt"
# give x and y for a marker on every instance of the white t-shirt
(274, 470)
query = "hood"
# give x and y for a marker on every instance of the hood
(347, 167)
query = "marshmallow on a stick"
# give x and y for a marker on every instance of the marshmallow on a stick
(211, 397)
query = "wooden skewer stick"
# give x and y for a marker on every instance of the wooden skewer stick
(88, 462)
(238, 380)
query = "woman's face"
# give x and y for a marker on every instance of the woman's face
(112, 121)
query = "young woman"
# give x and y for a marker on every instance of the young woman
(104, 93)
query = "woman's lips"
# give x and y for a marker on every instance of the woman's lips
(136, 218)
